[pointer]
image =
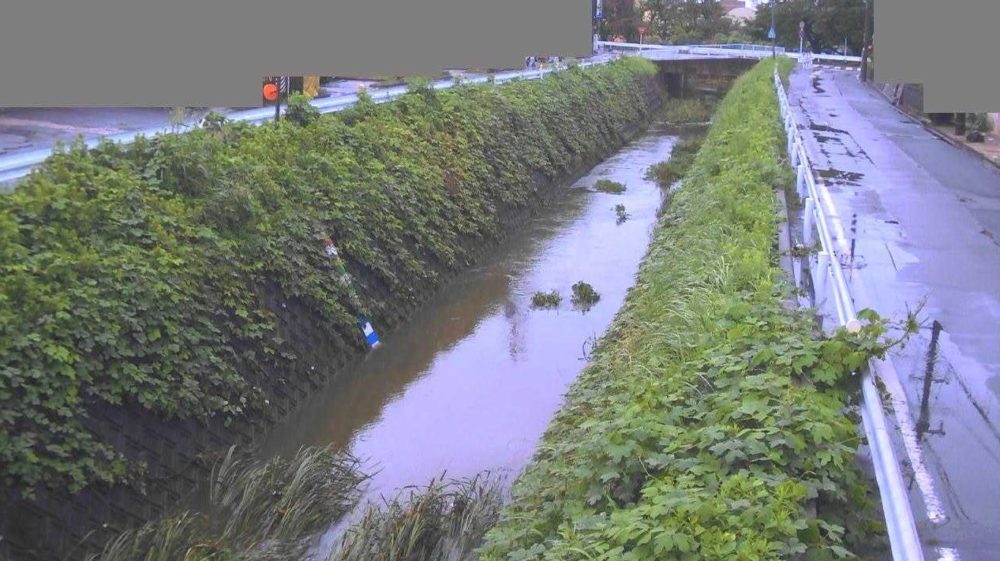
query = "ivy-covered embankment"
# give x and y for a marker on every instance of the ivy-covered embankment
(139, 276)
(714, 422)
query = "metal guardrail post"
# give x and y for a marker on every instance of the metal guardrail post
(810, 218)
(800, 180)
(902, 530)
(822, 273)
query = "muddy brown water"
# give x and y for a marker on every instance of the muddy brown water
(471, 382)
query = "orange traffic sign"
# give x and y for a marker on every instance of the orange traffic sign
(270, 91)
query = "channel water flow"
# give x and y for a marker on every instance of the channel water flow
(471, 382)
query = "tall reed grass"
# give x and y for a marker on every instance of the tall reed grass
(258, 510)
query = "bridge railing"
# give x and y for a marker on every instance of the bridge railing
(740, 50)
(830, 288)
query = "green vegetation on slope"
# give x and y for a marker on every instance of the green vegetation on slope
(712, 418)
(135, 275)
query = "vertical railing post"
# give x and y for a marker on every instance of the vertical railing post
(809, 219)
(821, 274)
(800, 181)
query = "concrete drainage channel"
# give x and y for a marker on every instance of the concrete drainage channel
(831, 291)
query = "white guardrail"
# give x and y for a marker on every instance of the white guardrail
(19, 165)
(820, 218)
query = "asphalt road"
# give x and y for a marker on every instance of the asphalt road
(928, 229)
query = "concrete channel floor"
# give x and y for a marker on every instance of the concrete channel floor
(927, 228)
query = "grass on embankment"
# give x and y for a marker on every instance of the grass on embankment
(712, 420)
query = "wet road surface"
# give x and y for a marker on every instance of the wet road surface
(472, 381)
(927, 228)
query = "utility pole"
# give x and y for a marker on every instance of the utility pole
(865, 45)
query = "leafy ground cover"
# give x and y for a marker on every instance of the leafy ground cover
(132, 275)
(714, 423)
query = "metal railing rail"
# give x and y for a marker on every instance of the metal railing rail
(19, 165)
(828, 280)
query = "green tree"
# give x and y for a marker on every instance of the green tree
(831, 22)
(620, 19)
(687, 21)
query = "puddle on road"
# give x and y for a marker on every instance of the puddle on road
(472, 381)
(815, 85)
(838, 177)
(825, 128)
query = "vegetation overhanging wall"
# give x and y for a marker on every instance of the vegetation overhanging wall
(166, 298)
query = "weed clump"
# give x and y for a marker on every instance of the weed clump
(444, 521)
(545, 300)
(682, 157)
(257, 510)
(608, 186)
(584, 296)
(687, 111)
(620, 212)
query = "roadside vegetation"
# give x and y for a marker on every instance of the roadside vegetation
(713, 422)
(132, 276)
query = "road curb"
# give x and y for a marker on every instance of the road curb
(930, 128)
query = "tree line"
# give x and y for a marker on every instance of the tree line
(829, 23)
